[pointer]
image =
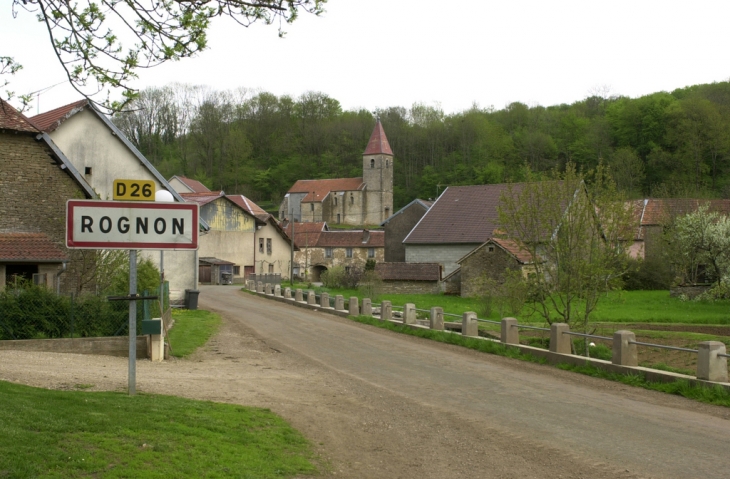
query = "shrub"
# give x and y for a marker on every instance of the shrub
(371, 286)
(649, 274)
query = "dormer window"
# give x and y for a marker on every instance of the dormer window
(372, 163)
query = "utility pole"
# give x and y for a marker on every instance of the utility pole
(291, 262)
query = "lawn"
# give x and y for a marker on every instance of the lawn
(614, 307)
(192, 329)
(73, 434)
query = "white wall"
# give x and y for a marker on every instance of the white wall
(445, 254)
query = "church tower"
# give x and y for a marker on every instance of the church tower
(377, 174)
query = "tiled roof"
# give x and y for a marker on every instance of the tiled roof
(12, 119)
(424, 204)
(306, 234)
(318, 189)
(378, 144)
(515, 249)
(351, 239)
(51, 120)
(35, 247)
(462, 214)
(658, 211)
(249, 206)
(202, 198)
(409, 271)
(194, 185)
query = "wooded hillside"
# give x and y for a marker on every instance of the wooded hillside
(254, 143)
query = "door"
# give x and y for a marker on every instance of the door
(204, 274)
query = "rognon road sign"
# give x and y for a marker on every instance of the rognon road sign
(130, 225)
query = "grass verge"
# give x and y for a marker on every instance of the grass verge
(192, 329)
(69, 434)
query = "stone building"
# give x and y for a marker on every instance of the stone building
(36, 180)
(410, 278)
(492, 260)
(399, 225)
(353, 201)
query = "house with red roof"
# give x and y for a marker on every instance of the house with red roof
(366, 200)
(101, 153)
(36, 180)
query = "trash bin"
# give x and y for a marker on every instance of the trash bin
(226, 277)
(191, 298)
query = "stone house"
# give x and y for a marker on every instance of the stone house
(410, 278)
(36, 180)
(101, 153)
(492, 260)
(460, 220)
(320, 249)
(399, 225)
(367, 200)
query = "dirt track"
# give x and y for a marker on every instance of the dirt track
(379, 404)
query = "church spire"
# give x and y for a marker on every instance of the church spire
(378, 144)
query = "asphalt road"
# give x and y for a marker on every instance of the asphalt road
(600, 428)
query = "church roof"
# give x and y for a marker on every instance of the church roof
(378, 144)
(317, 189)
(12, 119)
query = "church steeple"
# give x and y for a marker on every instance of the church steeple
(378, 144)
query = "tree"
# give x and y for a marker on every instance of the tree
(576, 229)
(627, 170)
(88, 35)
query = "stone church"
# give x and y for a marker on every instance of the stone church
(351, 201)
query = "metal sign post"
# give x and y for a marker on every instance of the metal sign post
(132, 375)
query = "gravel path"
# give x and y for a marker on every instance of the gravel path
(379, 404)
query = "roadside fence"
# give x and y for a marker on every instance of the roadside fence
(711, 360)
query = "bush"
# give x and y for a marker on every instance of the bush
(338, 277)
(649, 274)
(371, 286)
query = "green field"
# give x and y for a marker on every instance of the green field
(74, 434)
(614, 307)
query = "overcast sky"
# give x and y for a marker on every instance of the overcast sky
(381, 53)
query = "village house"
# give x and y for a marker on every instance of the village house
(492, 261)
(320, 249)
(36, 180)
(101, 153)
(352, 201)
(245, 240)
(399, 225)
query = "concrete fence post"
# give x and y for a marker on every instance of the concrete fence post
(251, 285)
(469, 324)
(367, 307)
(624, 353)
(324, 300)
(267, 288)
(298, 296)
(409, 313)
(277, 291)
(287, 293)
(437, 318)
(510, 333)
(559, 342)
(311, 299)
(711, 366)
(339, 303)
(354, 307)
(386, 310)
(259, 287)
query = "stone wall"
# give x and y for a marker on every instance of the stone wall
(411, 287)
(33, 195)
(485, 264)
(310, 257)
(397, 229)
(106, 346)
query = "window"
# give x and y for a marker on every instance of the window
(328, 252)
(237, 270)
(348, 252)
(271, 268)
(311, 206)
(268, 245)
(491, 249)
(352, 200)
(387, 163)
(335, 200)
(338, 218)
(371, 252)
(347, 269)
(387, 212)
(261, 245)
(372, 163)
